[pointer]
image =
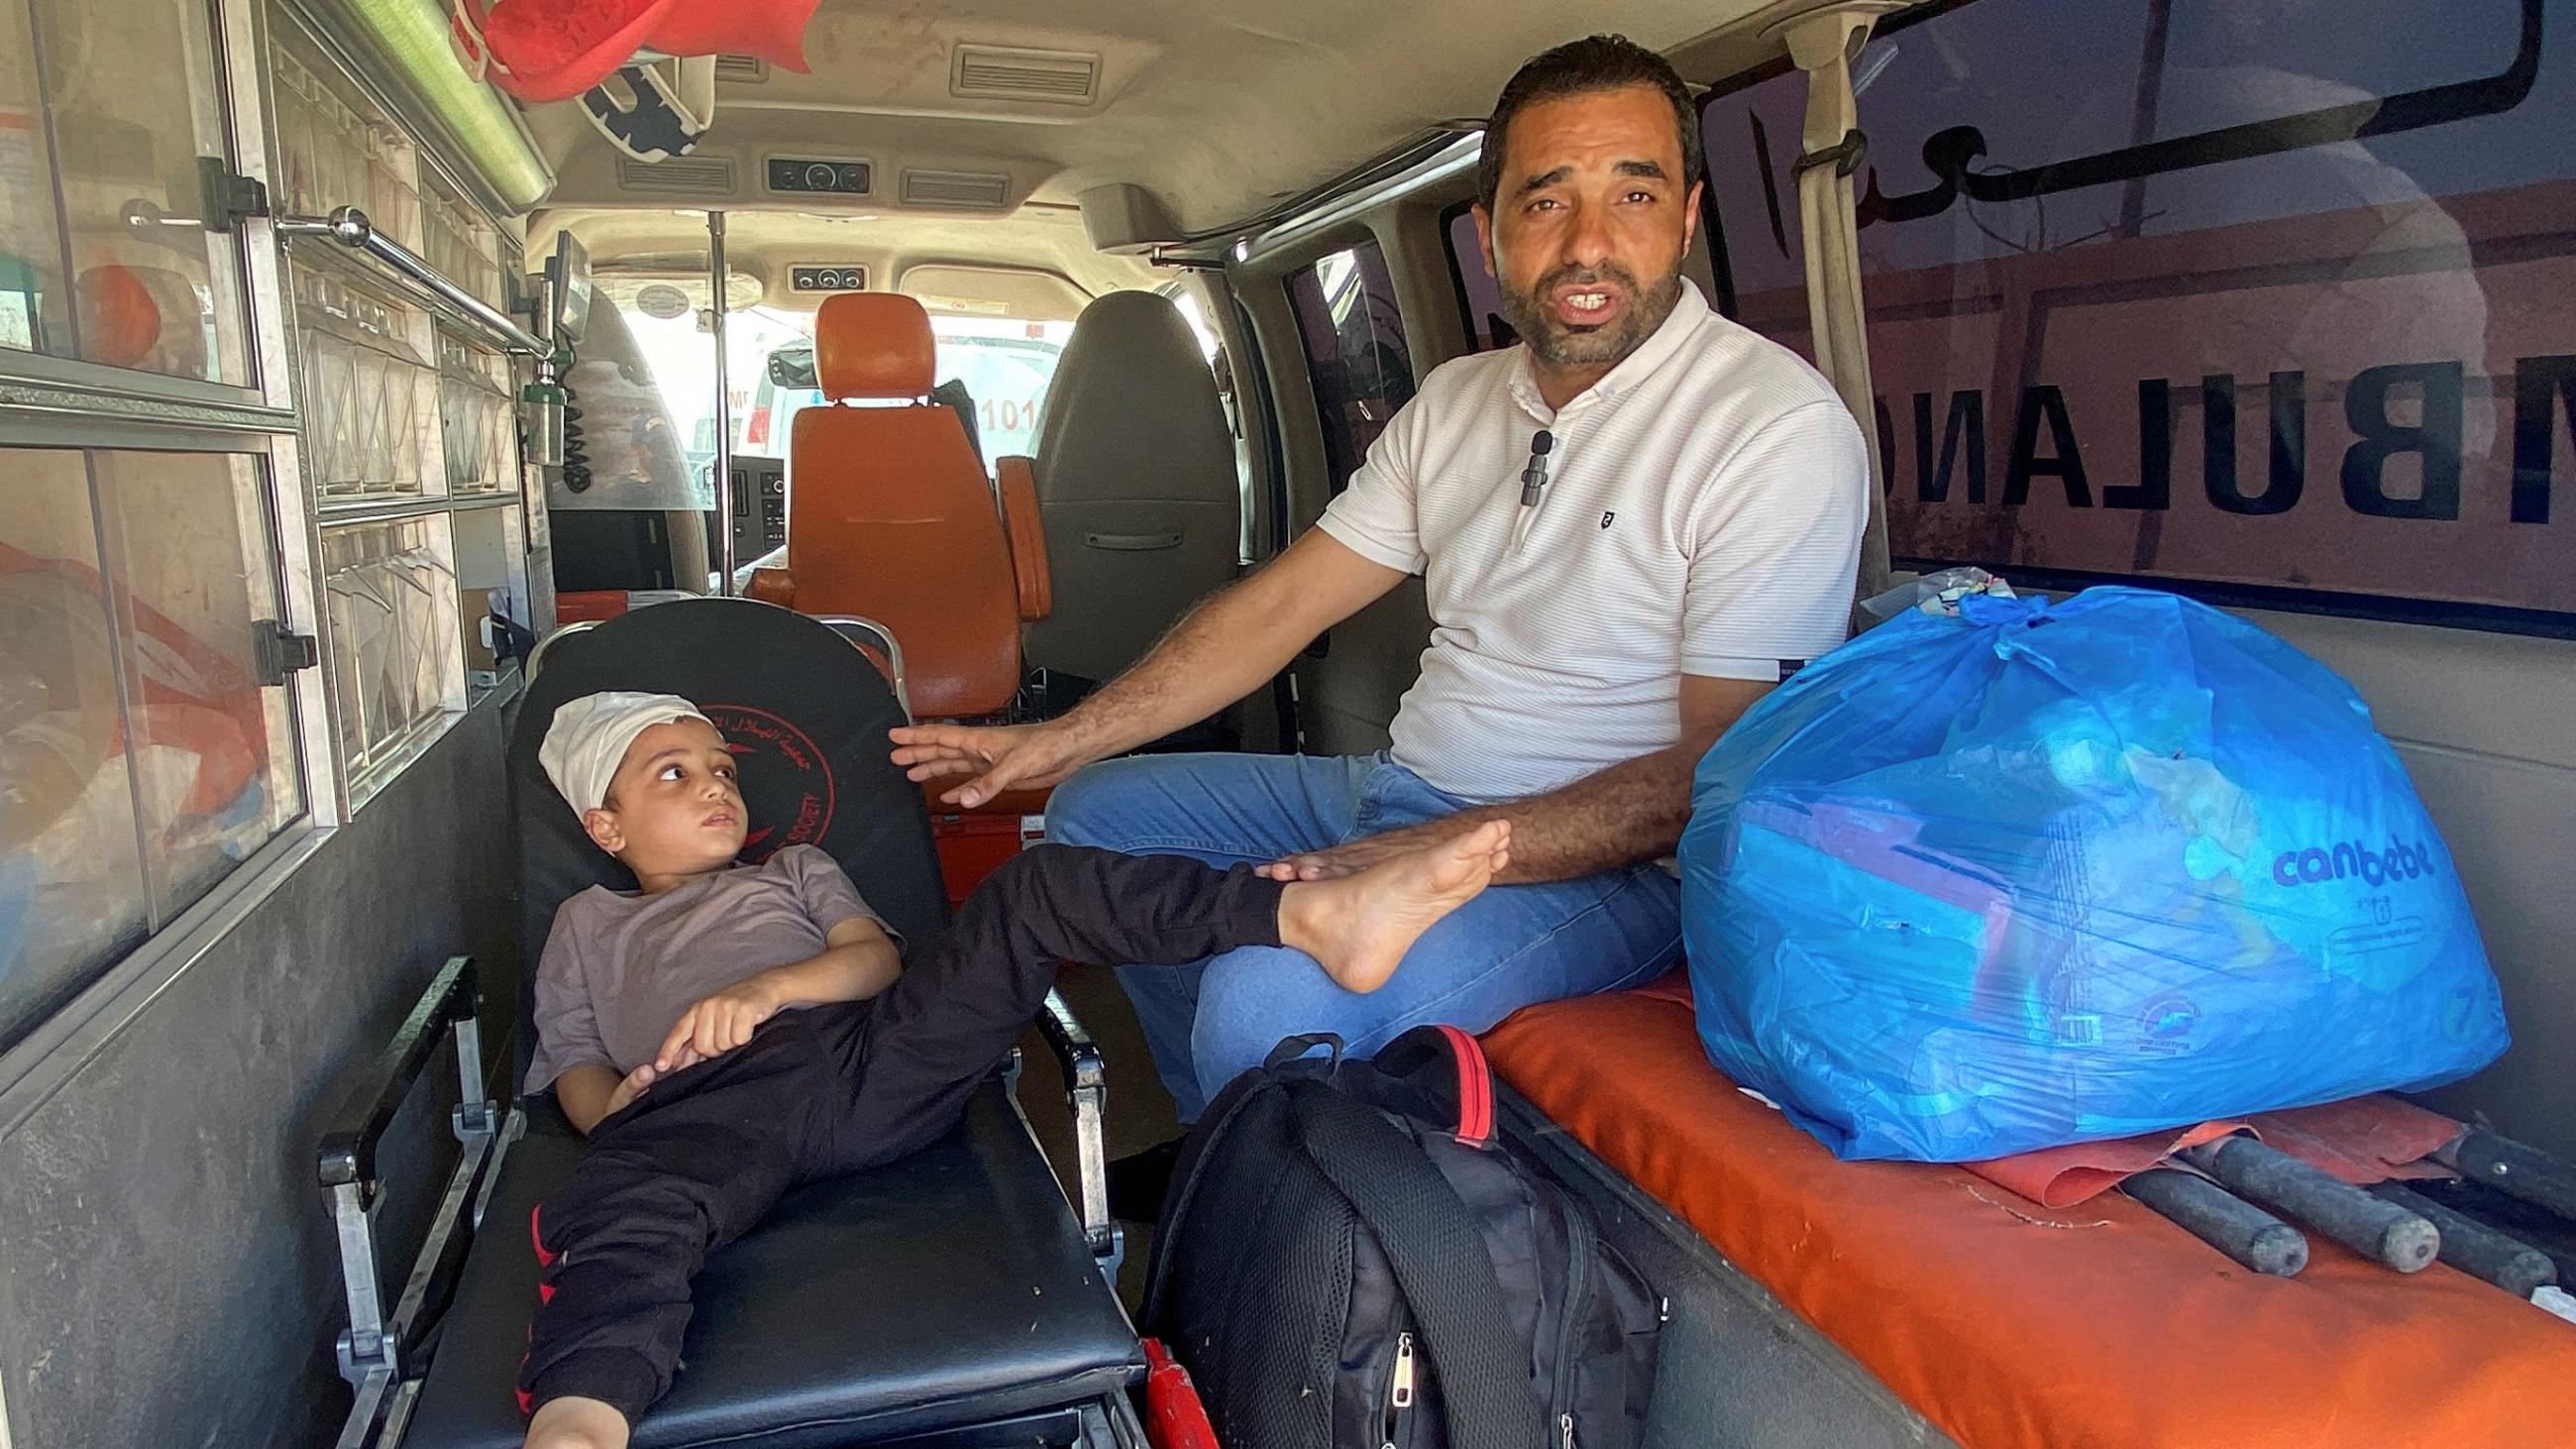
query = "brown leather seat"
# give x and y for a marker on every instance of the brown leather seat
(890, 516)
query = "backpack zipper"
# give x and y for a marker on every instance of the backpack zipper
(1399, 1385)
(1579, 1247)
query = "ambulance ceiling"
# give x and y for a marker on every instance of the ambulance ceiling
(1223, 108)
(1035, 264)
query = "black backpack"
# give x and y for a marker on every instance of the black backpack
(1351, 1257)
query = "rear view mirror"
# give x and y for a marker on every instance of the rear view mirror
(792, 367)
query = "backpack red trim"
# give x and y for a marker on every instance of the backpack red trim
(1475, 1088)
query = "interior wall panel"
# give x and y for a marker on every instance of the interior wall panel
(170, 1276)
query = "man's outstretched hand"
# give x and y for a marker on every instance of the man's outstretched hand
(991, 759)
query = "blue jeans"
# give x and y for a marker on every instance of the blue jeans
(1209, 1021)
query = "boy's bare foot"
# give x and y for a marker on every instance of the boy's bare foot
(1358, 927)
(576, 1423)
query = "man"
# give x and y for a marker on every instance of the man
(1696, 539)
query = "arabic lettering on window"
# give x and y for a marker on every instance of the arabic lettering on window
(2269, 292)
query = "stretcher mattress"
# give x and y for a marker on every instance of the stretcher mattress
(951, 1288)
(2012, 1325)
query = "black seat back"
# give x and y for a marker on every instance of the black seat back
(806, 714)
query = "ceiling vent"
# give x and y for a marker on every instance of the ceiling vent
(974, 190)
(745, 70)
(678, 176)
(1007, 73)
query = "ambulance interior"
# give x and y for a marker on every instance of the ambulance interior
(2264, 303)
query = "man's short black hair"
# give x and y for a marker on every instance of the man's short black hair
(1581, 67)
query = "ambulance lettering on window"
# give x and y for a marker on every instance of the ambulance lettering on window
(2198, 293)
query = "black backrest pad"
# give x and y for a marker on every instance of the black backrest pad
(807, 717)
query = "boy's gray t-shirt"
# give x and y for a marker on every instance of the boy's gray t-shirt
(620, 966)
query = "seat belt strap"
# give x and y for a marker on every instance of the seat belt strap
(1822, 43)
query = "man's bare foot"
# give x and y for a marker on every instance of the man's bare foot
(1358, 927)
(576, 1423)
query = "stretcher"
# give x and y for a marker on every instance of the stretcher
(953, 1298)
(1820, 1302)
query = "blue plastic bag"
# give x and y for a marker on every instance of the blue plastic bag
(1978, 885)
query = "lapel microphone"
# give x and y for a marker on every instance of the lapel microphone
(1534, 476)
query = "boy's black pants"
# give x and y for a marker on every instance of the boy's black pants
(704, 1153)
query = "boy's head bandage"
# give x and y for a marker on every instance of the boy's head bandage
(588, 740)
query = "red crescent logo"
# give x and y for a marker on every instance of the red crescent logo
(786, 781)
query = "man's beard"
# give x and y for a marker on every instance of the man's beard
(1560, 345)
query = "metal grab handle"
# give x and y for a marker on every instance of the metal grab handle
(349, 226)
(1132, 542)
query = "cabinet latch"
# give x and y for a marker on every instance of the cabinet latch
(230, 197)
(277, 652)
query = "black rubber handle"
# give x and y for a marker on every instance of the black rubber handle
(2476, 1249)
(2370, 1227)
(348, 1150)
(2512, 1167)
(2244, 1232)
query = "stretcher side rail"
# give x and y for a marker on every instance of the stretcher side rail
(374, 1351)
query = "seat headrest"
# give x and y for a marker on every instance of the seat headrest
(872, 345)
(1132, 398)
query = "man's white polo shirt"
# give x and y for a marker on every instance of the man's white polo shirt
(1703, 516)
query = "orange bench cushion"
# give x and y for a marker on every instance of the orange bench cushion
(2014, 1326)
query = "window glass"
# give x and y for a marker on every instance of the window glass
(2225, 292)
(1006, 366)
(1750, 128)
(215, 770)
(676, 388)
(1480, 297)
(71, 875)
(396, 659)
(1355, 351)
(127, 108)
(764, 423)
(140, 759)
(34, 313)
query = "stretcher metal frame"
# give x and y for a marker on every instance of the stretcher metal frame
(373, 1350)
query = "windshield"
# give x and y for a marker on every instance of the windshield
(683, 367)
(1005, 366)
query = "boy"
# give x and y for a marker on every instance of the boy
(726, 1032)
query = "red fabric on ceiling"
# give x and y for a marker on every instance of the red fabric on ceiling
(556, 49)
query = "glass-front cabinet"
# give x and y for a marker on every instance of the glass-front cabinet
(114, 157)
(259, 499)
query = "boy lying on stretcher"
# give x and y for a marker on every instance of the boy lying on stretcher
(727, 1032)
